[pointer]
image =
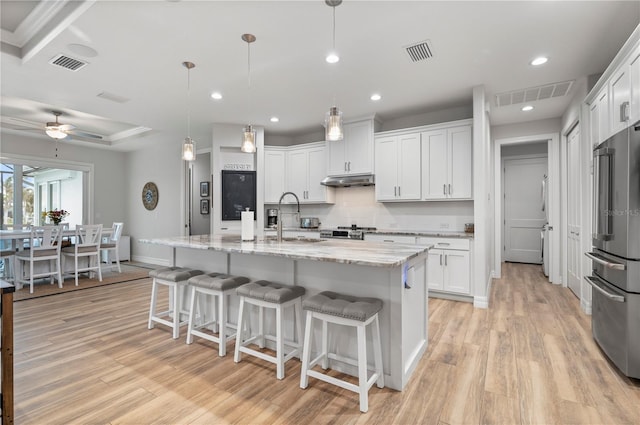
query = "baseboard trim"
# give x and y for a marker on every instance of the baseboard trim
(586, 307)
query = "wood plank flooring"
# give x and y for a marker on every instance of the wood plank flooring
(87, 357)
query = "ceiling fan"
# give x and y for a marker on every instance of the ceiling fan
(57, 130)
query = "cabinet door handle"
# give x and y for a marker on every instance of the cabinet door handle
(440, 259)
(624, 111)
(445, 260)
(349, 169)
(345, 166)
(449, 189)
(398, 190)
(444, 189)
(395, 190)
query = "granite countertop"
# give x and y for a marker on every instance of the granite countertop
(331, 250)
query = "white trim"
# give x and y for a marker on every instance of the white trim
(554, 196)
(151, 260)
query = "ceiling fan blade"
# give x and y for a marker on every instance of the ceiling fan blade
(66, 127)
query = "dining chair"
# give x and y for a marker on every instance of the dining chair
(112, 245)
(44, 245)
(87, 245)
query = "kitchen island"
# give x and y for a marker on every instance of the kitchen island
(396, 274)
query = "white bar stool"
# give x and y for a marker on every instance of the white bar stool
(265, 294)
(176, 279)
(219, 285)
(331, 307)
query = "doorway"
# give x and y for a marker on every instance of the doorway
(200, 192)
(524, 216)
(573, 211)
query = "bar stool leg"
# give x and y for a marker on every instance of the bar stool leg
(192, 306)
(362, 369)
(152, 307)
(239, 339)
(298, 318)
(279, 343)
(176, 310)
(222, 325)
(377, 352)
(261, 327)
(306, 351)
(325, 345)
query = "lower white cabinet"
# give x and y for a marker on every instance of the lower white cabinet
(448, 265)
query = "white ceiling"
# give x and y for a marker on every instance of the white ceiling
(141, 45)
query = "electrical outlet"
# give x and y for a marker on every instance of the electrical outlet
(444, 225)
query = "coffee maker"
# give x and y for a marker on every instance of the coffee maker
(272, 217)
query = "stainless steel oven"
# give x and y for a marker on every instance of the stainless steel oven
(616, 256)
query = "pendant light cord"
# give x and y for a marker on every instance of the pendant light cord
(188, 102)
(249, 80)
(334, 28)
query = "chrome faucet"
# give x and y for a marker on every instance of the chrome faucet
(279, 224)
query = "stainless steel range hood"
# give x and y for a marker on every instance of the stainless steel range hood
(346, 181)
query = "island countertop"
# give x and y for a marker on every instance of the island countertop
(330, 250)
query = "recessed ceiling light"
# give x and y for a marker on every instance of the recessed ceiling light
(376, 96)
(274, 119)
(527, 108)
(216, 95)
(539, 61)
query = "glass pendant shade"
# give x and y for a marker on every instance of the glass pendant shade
(189, 149)
(333, 125)
(54, 132)
(248, 140)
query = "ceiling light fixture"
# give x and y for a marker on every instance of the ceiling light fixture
(248, 133)
(216, 95)
(189, 145)
(274, 119)
(55, 130)
(333, 57)
(527, 108)
(376, 97)
(539, 61)
(333, 119)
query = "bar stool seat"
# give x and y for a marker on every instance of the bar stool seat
(266, 294)
(358, 312)
(176, 279)
(219, 285)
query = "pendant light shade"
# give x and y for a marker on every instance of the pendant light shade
(189, 145)
(189, 149)
(248, 133)
(333, 125)
(248, 140)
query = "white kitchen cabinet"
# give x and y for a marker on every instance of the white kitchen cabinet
(353, 154)
(448, 266)
(447, 163)
(620, 89)
(293, 234)
(305, 170)
(634, 78)
(398, 167)
(274, 174)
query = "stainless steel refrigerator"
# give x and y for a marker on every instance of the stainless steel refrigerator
(616, 255)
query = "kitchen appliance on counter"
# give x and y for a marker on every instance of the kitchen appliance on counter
(272, 217)
(615, 318)
(346, 232)
(309, 222)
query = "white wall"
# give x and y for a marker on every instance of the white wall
(453, 113)
(551, 125)
(201, 171)
(536, 148)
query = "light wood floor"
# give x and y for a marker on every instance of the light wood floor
(87, 357)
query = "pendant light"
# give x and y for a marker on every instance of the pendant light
(333, 119)
(189, 145)
(248, 133)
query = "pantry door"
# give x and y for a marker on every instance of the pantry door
(523, 214)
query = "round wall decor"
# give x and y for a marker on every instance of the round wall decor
(150, 195)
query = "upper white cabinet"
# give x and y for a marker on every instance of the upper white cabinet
(306, 167)
(614, 103)
(447, 163)
(274, 173)
(353, 154)
(397, 165)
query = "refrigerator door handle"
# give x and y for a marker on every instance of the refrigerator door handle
(595, 284)
(604, 261)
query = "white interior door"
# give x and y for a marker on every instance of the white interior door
(523, 215)
(573, 211)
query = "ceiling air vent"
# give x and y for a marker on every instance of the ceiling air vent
(420, 51)
(533, 93)
(67, 62)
